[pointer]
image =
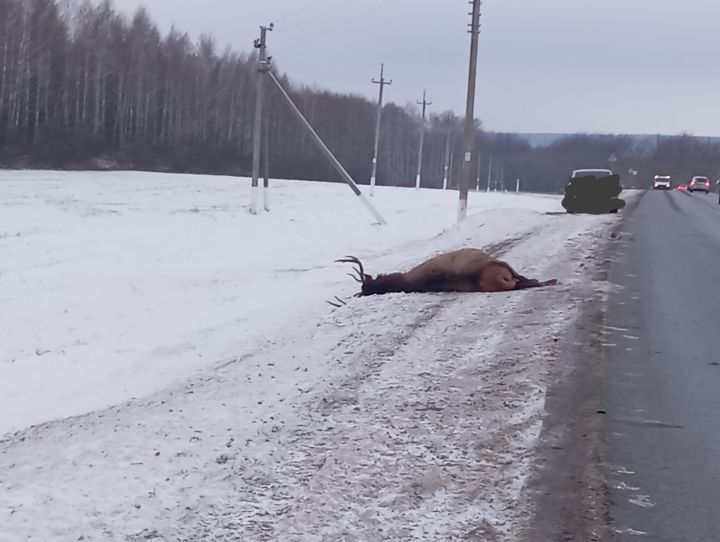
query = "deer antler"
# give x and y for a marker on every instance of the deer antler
(342, 303)
(359, 275)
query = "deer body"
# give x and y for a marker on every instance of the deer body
(463, 270)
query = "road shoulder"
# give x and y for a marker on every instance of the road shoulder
(568, 491)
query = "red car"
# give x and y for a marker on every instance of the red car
(701, 184)
(682, 187)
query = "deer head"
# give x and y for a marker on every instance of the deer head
(358, 273)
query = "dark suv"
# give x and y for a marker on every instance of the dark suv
(593, 191)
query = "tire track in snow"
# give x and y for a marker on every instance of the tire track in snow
(453, 412)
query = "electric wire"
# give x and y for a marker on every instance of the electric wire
(335, 26)
(297, 26)
(284, 17)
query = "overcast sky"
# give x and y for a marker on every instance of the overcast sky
(631, 66)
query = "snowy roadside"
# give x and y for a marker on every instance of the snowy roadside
(393, 418)
(117, 285)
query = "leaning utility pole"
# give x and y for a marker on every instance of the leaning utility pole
(262, 67)
(382, 84)
(325, 150)
(469, 111)
(424, 104)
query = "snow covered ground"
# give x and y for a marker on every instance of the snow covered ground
(215, 395)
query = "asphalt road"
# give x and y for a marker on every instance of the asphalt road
(661, 348)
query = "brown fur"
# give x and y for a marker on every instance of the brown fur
(464, 270)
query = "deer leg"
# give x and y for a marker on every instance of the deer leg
(524, 283)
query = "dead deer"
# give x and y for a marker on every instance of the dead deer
(464, 270)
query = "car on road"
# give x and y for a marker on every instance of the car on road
(662, 182)
(699, 184)
(682, 187)
(597, 173)
(589, 190)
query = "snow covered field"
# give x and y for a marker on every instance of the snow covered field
(218, 397)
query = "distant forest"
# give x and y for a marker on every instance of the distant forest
(82, 87)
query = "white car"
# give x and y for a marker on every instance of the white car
(699, 184)
(661, 182)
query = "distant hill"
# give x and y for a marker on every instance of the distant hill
(541, 140)
(546, 139)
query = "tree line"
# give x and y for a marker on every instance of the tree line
(82, 86)
(638, 158)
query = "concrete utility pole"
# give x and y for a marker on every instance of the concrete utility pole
(262, 67)
(447, 161)
(469, 132)
(382, 82)
(489, 173)
(424, 104)
(266, 163)
(450, 166)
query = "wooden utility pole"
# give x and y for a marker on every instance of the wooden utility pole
(424, 104)
(382, 82)
(262, 67)
(469, 131)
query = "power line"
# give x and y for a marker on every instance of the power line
(334, 26)
(296, 27)
(288, 15)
